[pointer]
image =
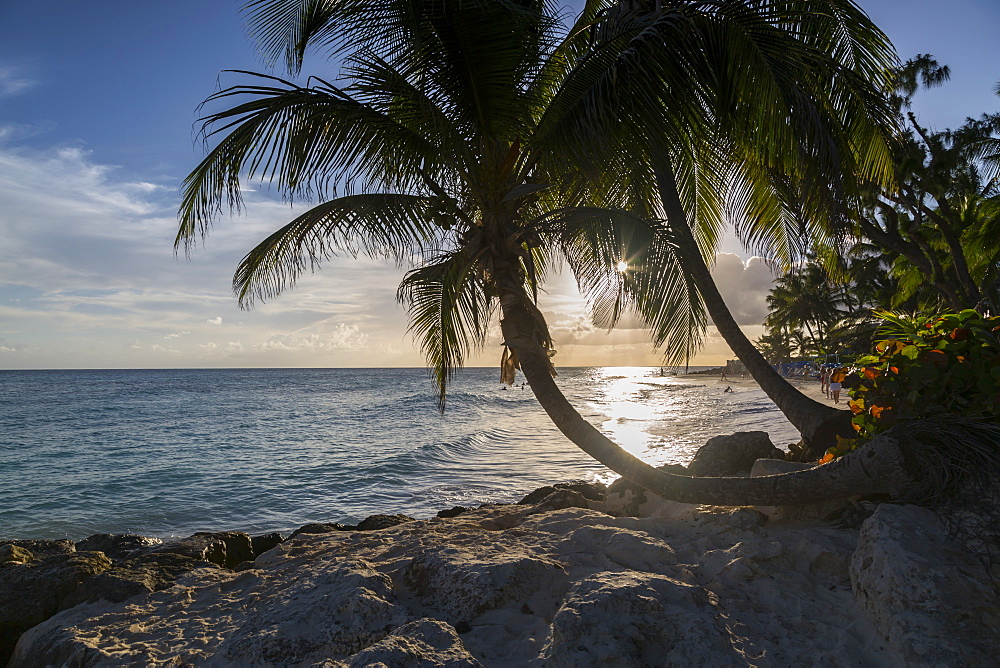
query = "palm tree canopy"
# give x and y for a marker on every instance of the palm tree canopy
(431, 149)
(471, 133)
(489, 141)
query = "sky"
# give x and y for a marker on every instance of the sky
(98, 110)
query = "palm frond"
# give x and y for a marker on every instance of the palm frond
(450, 306)
(303, 140)
(378, 225)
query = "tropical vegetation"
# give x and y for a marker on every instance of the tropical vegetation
(486, 142)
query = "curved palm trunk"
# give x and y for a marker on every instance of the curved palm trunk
(816, 422)
(877, 468)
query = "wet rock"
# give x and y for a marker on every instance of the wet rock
(733, 454)
(261, 544)
(593, 491)
(225, 548)
(135, 577)
(32, 592)
(14, 555)
(117, 546)
(637, 619)
(43, 549)
(534, 497)
(320, 527)
(561, 499)
(376, 522)
(424, 643)
(453, 512)
(930, 599)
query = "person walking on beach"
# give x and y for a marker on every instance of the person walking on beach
(836, 378)
(824, 380)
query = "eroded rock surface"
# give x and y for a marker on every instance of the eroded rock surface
(932, 600)
(526, 585)
(33, 590)
(117, 546)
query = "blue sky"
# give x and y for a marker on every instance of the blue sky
(97, 114)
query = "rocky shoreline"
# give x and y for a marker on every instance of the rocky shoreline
(575, 574)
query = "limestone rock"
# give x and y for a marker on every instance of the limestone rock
(508, 586)
(625, 498)
(43, 549)
(928, 597)
(594, 491)
(322, 613)
(424, 643)
(14, 555)
(319, 527)
(225, 548)
(117, 546)
(452, 512)
(135, 577)
(636, 619)
(32, 592)
(534, 497)
(609, 547)
(560, 499)
(733, 454)
(458, 585)
(299, 613)
(261, 544)
(376, 522)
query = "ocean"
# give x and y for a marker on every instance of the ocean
(167, 453)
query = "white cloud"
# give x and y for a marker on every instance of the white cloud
(91, 252)
(13, 81)
(342, 337)
(744, 286)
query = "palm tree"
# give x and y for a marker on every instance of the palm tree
(940, 220)
(805, 297)
(465, 135)
(770, 112)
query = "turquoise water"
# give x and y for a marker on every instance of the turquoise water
(170, 452)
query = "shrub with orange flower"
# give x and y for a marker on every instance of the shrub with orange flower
(944, 364)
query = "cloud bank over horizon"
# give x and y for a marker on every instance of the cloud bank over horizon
(91, 280)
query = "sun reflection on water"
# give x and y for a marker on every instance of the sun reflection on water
(623, 398)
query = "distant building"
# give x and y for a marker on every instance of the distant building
(735, 368)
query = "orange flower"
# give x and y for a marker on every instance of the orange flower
(827, 458)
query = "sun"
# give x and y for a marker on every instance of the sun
(623, 266)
